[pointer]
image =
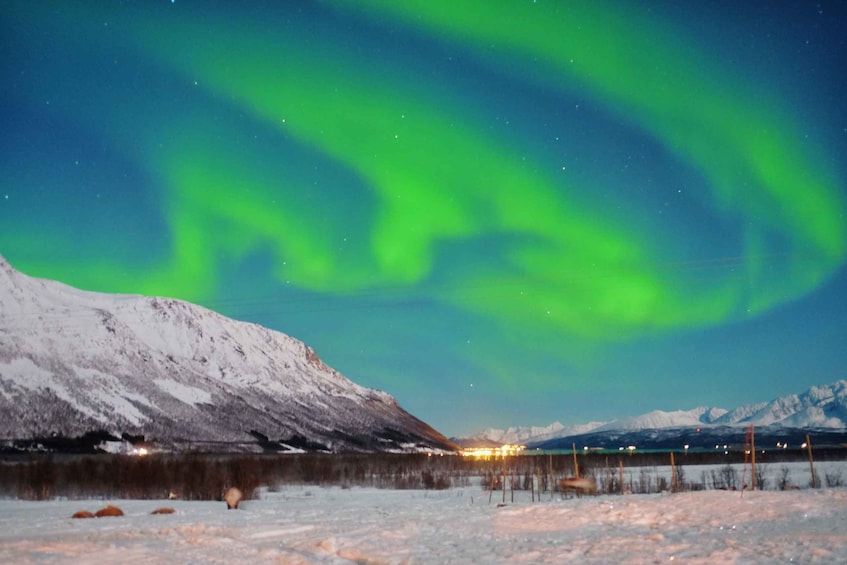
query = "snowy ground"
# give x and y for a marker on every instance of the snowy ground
(313, 525)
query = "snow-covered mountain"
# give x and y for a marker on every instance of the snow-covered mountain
(819, 407)
(73, 362)
(522, 434)
(660, 419)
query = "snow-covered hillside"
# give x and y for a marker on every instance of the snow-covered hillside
(73, 361)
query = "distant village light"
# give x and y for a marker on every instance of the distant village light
(492, 452)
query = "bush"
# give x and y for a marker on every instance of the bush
(199, 476)
(725, 478)
(833, 478)
(783, 482)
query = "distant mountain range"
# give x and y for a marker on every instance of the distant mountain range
(159, 370)
(820, 407)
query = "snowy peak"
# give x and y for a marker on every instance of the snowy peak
(819, 407)
(174, 371)
(660, 419)
(518, 435)
(522, 434)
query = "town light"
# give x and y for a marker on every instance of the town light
(493, 452)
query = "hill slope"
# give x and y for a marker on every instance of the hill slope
(73, 361)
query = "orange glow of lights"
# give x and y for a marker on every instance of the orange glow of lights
(492, 452)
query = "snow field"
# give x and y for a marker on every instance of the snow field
(330, 525)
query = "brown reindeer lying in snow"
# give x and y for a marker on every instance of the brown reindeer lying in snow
(579, 485)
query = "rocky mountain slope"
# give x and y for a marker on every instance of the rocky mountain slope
(180, 375)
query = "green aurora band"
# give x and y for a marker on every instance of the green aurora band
(411, 152)
(748, 156)
(434, 187)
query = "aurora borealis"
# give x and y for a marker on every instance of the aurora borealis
(502, 213)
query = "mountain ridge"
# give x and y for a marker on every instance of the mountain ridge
(74, 361)
(821, 406)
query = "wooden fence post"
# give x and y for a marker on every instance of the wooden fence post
(621, 476)
(673, 475)
(753, 478)
(811, 463)
(575, 463)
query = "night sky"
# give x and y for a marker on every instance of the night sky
(500, 212)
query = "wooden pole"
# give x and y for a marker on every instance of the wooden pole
(753, 457)
(550, 473)
(538, 483)
(621, 476)
(673, 475)
(811, 463)
(510, 483)
(504, 479)
(575, 463)
(532, 482)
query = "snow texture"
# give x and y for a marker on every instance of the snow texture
(311, 525)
